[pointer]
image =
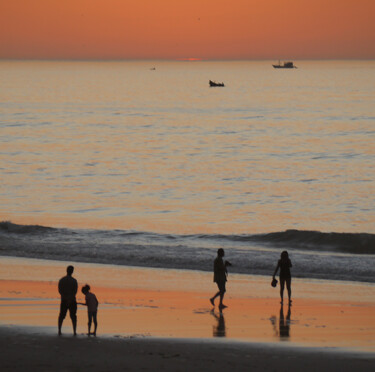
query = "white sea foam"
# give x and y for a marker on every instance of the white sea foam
(324, 257)
(167, 169)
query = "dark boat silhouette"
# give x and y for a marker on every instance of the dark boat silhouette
(214, 84)
(285, 65)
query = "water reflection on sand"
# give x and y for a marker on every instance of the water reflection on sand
(282, 328)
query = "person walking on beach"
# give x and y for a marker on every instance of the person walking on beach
(284, 264)
(92, 308)
(220, 277)
(68, 287)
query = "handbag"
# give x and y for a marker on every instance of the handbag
(274, 282)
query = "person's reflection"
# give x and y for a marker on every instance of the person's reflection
(219, 329)
(284, 324)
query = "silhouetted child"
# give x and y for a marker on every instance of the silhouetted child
(284, 264)
(92, 308)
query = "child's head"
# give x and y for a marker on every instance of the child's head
(85, 289)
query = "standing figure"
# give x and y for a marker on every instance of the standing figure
(68, 287)
(92, 308)
(220, 277)
(284, 264)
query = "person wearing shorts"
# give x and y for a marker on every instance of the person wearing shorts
(68, 287)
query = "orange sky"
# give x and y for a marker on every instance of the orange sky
(173, 29)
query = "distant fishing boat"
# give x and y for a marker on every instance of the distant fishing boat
(214, 84)
(285, 65)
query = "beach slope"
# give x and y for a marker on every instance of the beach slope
(33, 350)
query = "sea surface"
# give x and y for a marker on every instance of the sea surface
(118, 163)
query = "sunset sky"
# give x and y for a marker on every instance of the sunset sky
(174, 29)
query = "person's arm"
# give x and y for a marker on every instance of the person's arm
(215, 268)
(277, 268)
(83, 303)
(290, 263)
(75, 287)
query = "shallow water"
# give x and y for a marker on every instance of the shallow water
(138, 302)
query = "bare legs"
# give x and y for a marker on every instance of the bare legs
(288, 282)
(220, 293)
(60, 321)
(92, 317)
(74, 323)
(73, 315)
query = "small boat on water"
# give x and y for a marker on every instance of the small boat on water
(214, 84)
(285, 65)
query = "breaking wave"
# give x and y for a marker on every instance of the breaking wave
(338, 256)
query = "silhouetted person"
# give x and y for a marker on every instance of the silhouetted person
(284, 324)
(284, 264)
(220, 277)
(219, 330)
(92, 308)
(68, 287)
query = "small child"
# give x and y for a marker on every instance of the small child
(92, 308)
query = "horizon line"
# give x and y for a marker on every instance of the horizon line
(187, 59)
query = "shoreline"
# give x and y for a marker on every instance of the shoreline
(319, 255)
(189, 280)
(136, 302)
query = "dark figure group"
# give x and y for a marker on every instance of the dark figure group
(68, 287)
(221, 274)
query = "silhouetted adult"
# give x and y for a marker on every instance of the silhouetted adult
(68, 287)
(284, 264)
(220, 277)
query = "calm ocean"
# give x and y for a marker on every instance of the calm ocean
(127, 165)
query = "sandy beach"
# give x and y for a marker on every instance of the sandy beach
(25, 349)
(162, 319)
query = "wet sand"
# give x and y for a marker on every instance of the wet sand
(150, 317)
(25, 349)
